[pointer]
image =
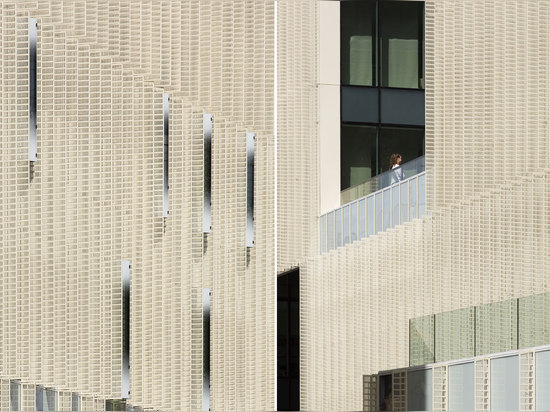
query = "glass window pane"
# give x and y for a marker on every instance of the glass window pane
(353, 222)
(50, 400)
(358, 42)
(461, 387)
(362, 218)
(378, 213)
(15, 395)
(39, 398)
(370, 216)
(504, 384)
(404, 202)
(323, 230)
(358, 155)
(75, 402)
(413, 191)
(330, 231)
(387, 208)
(542, 381)
(346, 213)
(408, 142)
(402, 37)
(419, 390)
(338, 226)
(421, 195)
(395, 205)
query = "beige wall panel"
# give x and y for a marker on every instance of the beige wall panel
(329, 147)
(329, 42)
(297, 140)
(479, 134)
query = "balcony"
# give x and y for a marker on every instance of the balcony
(393, 205)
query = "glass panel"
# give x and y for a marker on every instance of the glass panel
(402, 37)
(358, 42)
(370, 216)
(504, 384)
(419, 390)
(360, 105)
(461, 387)
(542, 381)
(397, 106)
(362, 218)
(346, 213)
(496, 327)
(421, 195)
(75, 402)
(534, 320)
(404, 202)
(15, 395)
(421, 338)
(358, 155)
(353, 222)
(454, 334)
(378, 213)
(407, 142)
(338, 226)
(413, 192)
(39, 398)
(385, 393)
(387, 208)
(50, 400)
(330, 231)
(323, 230)
(395, 205)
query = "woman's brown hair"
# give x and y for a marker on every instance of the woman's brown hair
(393, 159)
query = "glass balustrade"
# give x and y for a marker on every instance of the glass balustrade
(383, 180)
(394, 205)
(492, 328)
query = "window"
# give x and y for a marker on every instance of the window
(408, 142)
(402, 43)
(15, 395)
(358, 42)
(358, 154)
(382, 54)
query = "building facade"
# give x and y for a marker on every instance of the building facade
(170, 170)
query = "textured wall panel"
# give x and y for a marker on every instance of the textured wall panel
(94, 198)
(297, 134)
(488, 192)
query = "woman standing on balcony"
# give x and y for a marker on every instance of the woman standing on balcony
(395, 166)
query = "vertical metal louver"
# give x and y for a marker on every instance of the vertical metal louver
(32, 89)
(206, 301)
(166, 104)
(250, 139)
(125, 329)
(207, 130)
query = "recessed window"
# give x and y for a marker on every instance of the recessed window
(402, 43)
(358, 42)
(358, 154)
(408, 142)
(382, 54)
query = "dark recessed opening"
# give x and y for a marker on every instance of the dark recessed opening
(288, 341)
